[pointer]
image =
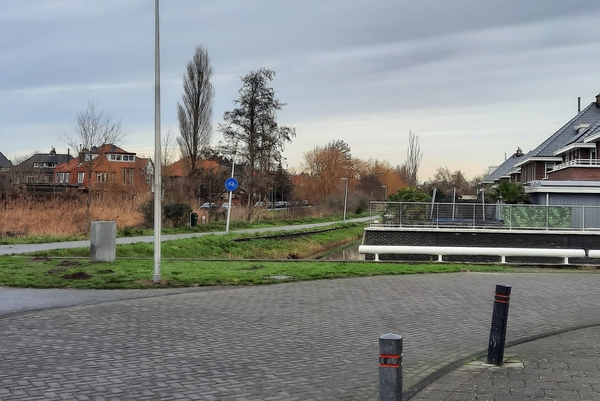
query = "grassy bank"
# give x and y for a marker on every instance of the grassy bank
(214, 226)
(44, 272)
(226, 246)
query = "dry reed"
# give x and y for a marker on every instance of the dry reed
(61, 216)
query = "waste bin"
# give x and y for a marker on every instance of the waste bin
(193, 219)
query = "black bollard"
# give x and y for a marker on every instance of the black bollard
(390, 367)
(499, 322)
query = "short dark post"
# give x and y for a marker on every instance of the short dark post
(390, 367)
(499, 321)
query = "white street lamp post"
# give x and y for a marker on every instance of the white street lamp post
(345, 197)
(157, 164)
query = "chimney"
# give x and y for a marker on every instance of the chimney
(579, 104)
(519, 152)
(598, 100)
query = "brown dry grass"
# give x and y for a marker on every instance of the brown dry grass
(66, 216)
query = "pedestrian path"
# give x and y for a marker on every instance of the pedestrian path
(314, 340)
(559, 367)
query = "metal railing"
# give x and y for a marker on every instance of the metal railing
(489, 216)
(578, 163)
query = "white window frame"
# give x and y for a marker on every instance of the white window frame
(127, 177)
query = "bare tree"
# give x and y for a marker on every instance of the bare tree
(168, 145)
(410, 169)
(195, 114)
(168, 149)
(91, 131)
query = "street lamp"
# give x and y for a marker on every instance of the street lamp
(345, 196)
(385, 187)
(157, 161)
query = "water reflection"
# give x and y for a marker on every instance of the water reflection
(346, 252)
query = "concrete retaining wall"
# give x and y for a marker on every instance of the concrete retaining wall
(482, 238)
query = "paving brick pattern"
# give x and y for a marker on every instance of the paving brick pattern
(296, 341)
(561, 367)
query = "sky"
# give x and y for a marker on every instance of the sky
(474, 79)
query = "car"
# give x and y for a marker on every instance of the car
(208, 205)
(280, 204)
(225, 206)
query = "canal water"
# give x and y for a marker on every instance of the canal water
(346, 252)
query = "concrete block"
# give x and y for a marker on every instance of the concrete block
(103, 241)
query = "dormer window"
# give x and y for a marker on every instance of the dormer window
(118, 158)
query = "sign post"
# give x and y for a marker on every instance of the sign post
(231, 184)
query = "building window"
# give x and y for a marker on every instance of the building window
(118, 158)
(549, 167)
(127, 177)
(80, 177)
(67, 177)
(60, 177)
(36, 165)
(101, 177)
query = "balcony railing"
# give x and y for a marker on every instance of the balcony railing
(577, 163)
(484, 216)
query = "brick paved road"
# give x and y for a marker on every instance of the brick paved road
(561, 367)
(297, 341)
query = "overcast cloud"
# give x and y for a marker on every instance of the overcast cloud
(474, 79)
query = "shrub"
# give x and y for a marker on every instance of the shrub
(177, 213)
(147, 211)
(363, 204)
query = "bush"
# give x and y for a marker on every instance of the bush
(177, 214)
(363, 204)
(147, 211)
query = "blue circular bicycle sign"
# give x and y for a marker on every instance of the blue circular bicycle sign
(231, 184)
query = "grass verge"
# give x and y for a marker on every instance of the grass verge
(44, 272)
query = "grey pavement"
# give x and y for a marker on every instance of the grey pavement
(560, 367)
(28, 248)
(313, 340)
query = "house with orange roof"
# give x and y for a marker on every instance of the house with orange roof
(207, 186)
(180, 168)
(106, 168)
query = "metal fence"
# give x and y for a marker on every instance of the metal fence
(488, 215)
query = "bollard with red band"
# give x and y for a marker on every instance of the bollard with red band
(499, 321)
(390, 367)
